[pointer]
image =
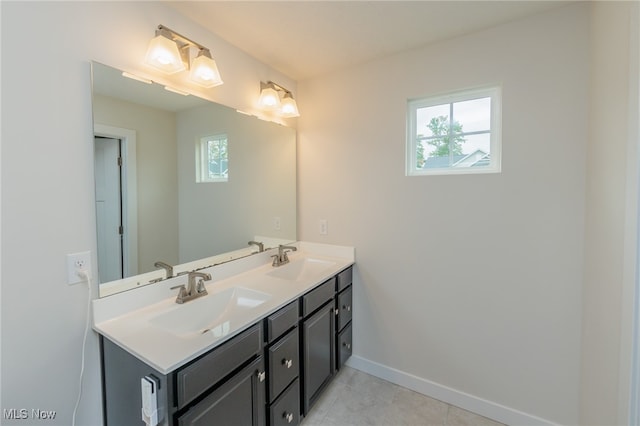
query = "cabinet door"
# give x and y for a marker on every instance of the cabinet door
(318, 353)
(239, 401)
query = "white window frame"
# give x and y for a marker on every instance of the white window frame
(495, 166)
(202, 158)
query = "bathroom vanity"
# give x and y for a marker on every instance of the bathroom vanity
(260, 351)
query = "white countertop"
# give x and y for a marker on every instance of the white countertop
(127, 318)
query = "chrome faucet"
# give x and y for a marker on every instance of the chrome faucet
(194, 289)
(166, 267)
(257, 243)
(281, 258)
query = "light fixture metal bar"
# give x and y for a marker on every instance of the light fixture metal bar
(181, 38)
(279, 87)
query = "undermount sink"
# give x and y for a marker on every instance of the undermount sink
(211, 313)
(301, 269)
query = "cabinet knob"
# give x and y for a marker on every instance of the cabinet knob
(288, 417)
(287, 363)
(348, 308)
(346, 345)
(337, 311)
(262, 375)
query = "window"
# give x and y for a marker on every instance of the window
(454, 134)
(212, 162)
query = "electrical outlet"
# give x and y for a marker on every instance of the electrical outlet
(276, 223)
(324, 228)
(78, 262)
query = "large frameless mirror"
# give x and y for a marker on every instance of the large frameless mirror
(183, 183)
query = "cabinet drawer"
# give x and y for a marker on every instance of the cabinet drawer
(318, 296)
(286, 410)
(284, 363)
(345, 278)
(214, 366)
(344, 307)
(344, 345)
(281, 321)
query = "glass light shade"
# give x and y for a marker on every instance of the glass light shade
(163, 54)
(204, 71)
(269, 98)
(289, 108)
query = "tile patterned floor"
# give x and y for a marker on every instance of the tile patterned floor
(355, 398)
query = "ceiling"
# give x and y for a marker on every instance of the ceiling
(304, 39)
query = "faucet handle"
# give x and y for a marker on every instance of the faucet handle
(200, 288)
(276, 260)
(182, 293)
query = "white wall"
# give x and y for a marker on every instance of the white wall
(471, 285)
(611, 215)
(47, 179)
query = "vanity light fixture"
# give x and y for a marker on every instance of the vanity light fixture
(270, 99)
(169, 52)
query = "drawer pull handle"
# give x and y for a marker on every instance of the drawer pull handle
(288, 417)
(348, 308)
(346, 345)
(287, 363)
(261, 376)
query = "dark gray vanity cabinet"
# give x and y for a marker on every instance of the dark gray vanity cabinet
(270, 374)
(283, 360)
(318, 341)
(343, 310)
(226, 384)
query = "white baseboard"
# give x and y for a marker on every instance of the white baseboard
(480, 406)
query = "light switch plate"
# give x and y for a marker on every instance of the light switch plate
(324, 227)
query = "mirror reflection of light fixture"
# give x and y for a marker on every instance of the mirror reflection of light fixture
(136, 77)
(270, 99)
(174, 90)
(169, 52)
